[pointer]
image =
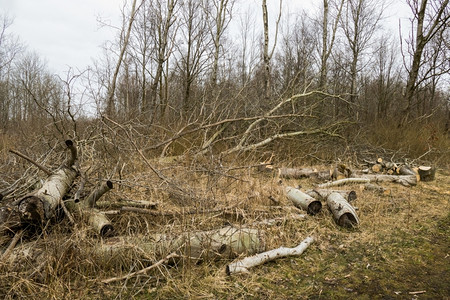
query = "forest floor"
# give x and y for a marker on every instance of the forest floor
(400, 250)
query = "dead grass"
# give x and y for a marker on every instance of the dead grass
(401, 246)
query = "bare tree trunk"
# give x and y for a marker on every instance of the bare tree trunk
(110, 105)
(424, 33)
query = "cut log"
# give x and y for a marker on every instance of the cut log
(243, 265)
(324, 193)
(377, 168)
(427, 173)
(304, 201)
(292, 173)
(343, 213)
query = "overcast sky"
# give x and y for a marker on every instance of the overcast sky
(66, 33)
(63, 32)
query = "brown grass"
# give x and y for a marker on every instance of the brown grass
(401, 245)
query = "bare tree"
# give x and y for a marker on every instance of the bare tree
(221, 14)
(359, 24)
(10, 48)
(267, 55)
(430, 20)
(125, 36)
(328, 38)
(192, 48)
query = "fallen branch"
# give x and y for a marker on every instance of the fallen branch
(11, 245)
(226, 242)
(406, 180)
(38, 165)
(343, 182)
(143, 271)
(242, 266)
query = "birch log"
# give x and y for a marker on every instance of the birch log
(406, 180)
(324, 193)
(226, 242)
(303, 201)
(343, 213)
(242, 266)
(41, 205)
(302, 173)
(96, 219)
(343, 182)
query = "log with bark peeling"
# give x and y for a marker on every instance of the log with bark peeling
(243, 265)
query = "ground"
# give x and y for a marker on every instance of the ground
(400, 250)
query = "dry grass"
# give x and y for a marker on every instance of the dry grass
(401, 245)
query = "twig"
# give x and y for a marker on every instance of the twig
(11, 246)
(142, 271)
(40, 167)
(67, 212)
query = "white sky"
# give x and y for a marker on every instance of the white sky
(66, 33)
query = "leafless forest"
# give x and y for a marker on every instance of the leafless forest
(188, 121)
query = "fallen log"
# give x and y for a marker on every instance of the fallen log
(324, 193)
(242, 266)
(406, 180)
(227, 242)
(292, 173)
(303, 201)
(343, 182)
(343, 213)
(427, 173)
